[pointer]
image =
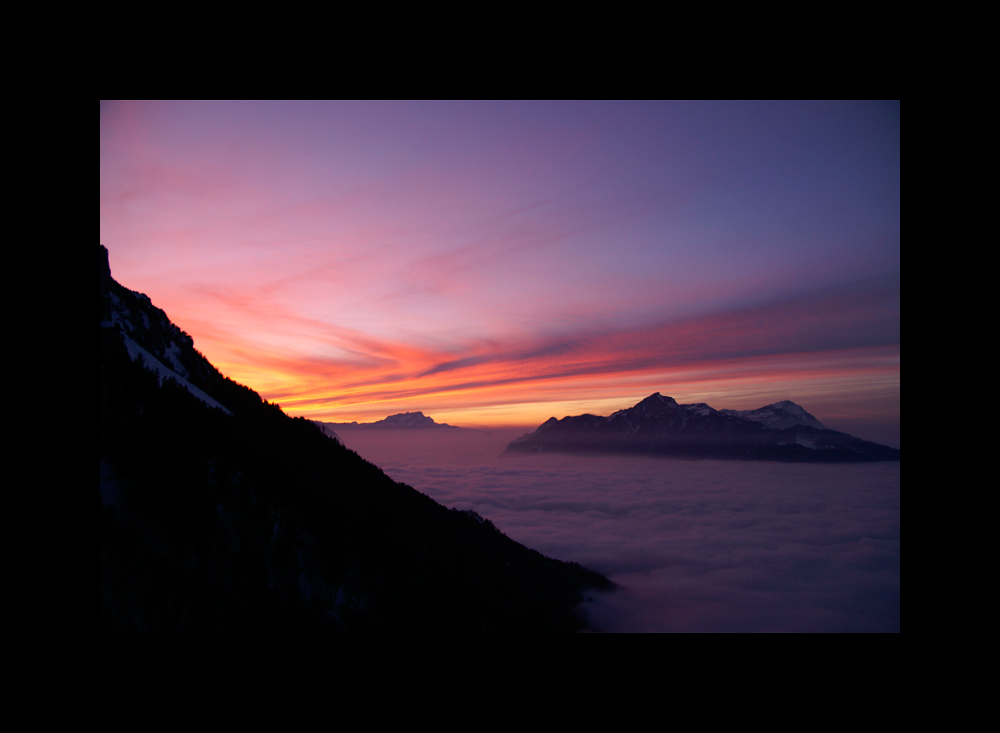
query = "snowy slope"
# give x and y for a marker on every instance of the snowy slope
(778, 416)
(152, 339)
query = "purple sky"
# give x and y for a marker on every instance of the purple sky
(501, 263)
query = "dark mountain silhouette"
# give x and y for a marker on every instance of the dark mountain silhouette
(658, 425)
(401, 421)
(219, 512)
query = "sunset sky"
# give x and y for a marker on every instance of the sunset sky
(501, 263)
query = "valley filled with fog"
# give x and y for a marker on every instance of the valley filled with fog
(696, 545)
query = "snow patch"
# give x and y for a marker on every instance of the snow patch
(135, 351)
(173, 353)
(699, 408)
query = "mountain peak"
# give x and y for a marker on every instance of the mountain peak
(152, 340)
(105, 265)
(655, 405)
(399, 421)
(409, 420)
(657, 397)
(658, 425)
(777, 416)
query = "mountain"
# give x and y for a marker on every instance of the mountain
(778, 416)
(219, 512)
(658, 425)
(401, 421)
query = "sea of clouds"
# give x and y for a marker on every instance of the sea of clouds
(696, 545)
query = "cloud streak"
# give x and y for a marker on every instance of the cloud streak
(354, 260)
(814, 336)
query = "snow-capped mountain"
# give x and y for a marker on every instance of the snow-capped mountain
(658, 425)
(780, 415)
(400, 421)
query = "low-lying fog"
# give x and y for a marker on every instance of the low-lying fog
(695, 545)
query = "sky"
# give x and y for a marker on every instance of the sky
(497, 264)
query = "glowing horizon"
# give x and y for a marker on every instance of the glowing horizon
(499, 264)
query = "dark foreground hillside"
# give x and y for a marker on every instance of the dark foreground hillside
(252, 520)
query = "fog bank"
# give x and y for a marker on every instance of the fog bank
(695, 545)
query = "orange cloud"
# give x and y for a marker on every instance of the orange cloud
(791, 349)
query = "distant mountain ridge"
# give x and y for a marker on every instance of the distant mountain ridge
(399, 421)
(658, 425)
